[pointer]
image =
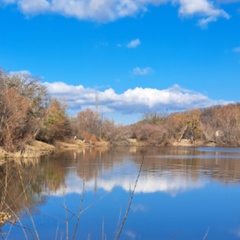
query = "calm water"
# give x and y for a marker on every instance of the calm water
(180, 193)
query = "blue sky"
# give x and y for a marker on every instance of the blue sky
(132, 55)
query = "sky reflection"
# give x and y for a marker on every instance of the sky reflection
(185, 197)
(171, 183)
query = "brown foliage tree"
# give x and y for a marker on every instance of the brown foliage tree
(115, 134)
(185, 125)
(15, 122)
(55, 124)
(21, 102)
(151, 133)
(89, 124)
(224, 120)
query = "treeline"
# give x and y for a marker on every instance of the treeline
(218, 124)
(28, 113)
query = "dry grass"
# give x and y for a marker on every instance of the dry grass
(71, 144)
(79, 144)
(33, 150)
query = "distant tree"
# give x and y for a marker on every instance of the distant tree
(55, 124)
(115, 134)
(89, 123)
(153, 117)
(224, 119)
(150, 133)
(185, 125)
(27, 86)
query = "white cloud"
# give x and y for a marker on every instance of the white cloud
(109, 10)
(236, 49)
(142, 71)
(34, 6)
(136, 100)
(203, 8)
(205, 21)
(190, 7)
(134, 43)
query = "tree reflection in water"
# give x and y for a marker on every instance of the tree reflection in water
(26, 188)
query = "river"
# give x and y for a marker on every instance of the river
(124, 193)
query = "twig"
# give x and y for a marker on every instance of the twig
(80, 210)
(90, 205)
(31, 218)
(65, 207)
(89, 236)
(118, 233)
(119, 218)
(56, 235)
(8, 207)
(103, 229)
(205, 236)
(173, 235)
(20, 223)
(8, 233)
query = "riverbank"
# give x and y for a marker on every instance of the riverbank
(33, 150)
(37, 148)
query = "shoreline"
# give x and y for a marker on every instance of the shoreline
(36, 149)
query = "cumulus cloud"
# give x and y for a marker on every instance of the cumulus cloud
(134, 43)
(34, 6)
(203, 8)
(137, 100)
(142, 71)
(190, 7)
(109, 10)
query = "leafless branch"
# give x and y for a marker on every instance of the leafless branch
(118, 233)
